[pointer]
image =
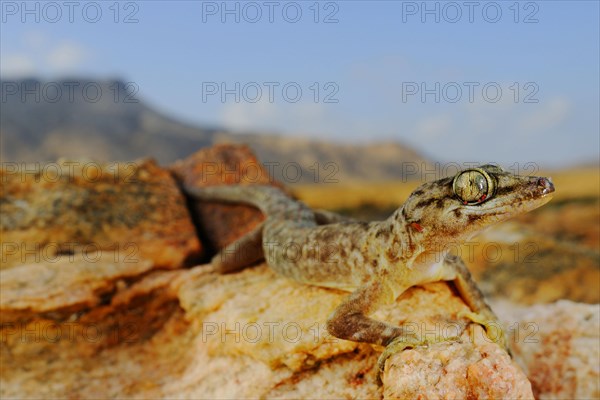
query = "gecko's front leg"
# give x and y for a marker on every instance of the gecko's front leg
(480, 313)
(349, 321)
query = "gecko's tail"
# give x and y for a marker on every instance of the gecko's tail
(267, 199)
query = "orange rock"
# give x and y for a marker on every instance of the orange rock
(253, 334)
(70, 284)
(78, 207)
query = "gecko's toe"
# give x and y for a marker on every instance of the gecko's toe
(493, 328)
(395, 346)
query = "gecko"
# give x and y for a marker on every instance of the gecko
(377, 261)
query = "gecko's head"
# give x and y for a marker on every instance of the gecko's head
(455, 208)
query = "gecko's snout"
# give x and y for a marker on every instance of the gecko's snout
(544, 185)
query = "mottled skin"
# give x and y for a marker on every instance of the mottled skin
(378, 261)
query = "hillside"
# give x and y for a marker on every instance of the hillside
(34, 127)
(43, 121)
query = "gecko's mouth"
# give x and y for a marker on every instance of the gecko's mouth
(536, 189)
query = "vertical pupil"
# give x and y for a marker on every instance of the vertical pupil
(478, 187)
(481, 184)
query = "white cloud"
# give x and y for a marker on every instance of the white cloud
(16, 65)
(247, 115)
(435, 127)
(548, 117)
(66, 56)
(39, 54)
(505, 132)
(302, 117)
(35, 39)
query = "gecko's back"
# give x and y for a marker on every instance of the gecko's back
(294, 245)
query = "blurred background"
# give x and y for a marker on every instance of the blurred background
(354, 102)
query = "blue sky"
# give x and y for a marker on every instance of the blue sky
(503, 81)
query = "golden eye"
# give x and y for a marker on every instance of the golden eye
(473, 186)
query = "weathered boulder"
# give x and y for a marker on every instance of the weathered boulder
(69, 285)
(77, 207)
(558, 346)
(194, 333)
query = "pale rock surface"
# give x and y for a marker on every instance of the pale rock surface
(558, 345)
(472, 369)
(69, 284)
(194, 334)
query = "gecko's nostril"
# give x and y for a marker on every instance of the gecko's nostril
(545, 184)
(541, 182)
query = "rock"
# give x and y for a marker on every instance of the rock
(256, 313)
(558, 345)
(512, 261)
(471, 368)
(194, 333)
(83, 327)
(224, 164)
(77, 207)
(572, 216)
(70, 284)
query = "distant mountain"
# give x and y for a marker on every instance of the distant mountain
(104, 120)
(329, 162)
(42, 121)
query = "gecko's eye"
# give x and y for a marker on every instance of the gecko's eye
(473, 186)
